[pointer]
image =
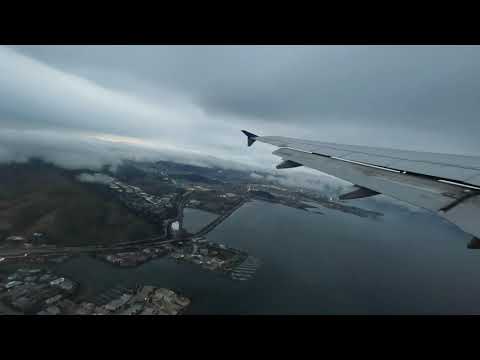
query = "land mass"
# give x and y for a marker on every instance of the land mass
(139, 204)
(40, 198)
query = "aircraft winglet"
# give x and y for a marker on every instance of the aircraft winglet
(251, 137)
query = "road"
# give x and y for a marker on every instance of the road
(17, 254)
(220, 219)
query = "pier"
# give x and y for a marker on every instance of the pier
(246, 269)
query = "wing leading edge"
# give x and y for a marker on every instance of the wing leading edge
(446, 184)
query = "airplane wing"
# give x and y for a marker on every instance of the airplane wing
(446, 184)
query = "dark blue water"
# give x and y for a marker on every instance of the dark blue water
(194, 219)
(336, 263)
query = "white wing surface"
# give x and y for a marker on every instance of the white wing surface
(444, 183)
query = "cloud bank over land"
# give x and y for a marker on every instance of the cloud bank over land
(88, 106)
(96, 178)
(77, 123)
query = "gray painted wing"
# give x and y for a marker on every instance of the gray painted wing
(414, 177)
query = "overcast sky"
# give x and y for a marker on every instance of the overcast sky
(88, 105)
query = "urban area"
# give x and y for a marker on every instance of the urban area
(158, 193)
(42, 292)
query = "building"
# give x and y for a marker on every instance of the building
(116, 304)
(146, 292)
(15, 240)
(182, 301)
(57, 281)
(53, 310)
(53, 299)
(132, 310)
(67, 285)
(175, 226)
(195, 249)
(38, 237)
(85, 308)
(12, 284)
(149, 311)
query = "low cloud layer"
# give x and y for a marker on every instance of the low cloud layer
(305, 178)
(87, 106)
(96, 178)
(78, 123)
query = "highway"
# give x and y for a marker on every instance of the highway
(19, 254)
(220, 219)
